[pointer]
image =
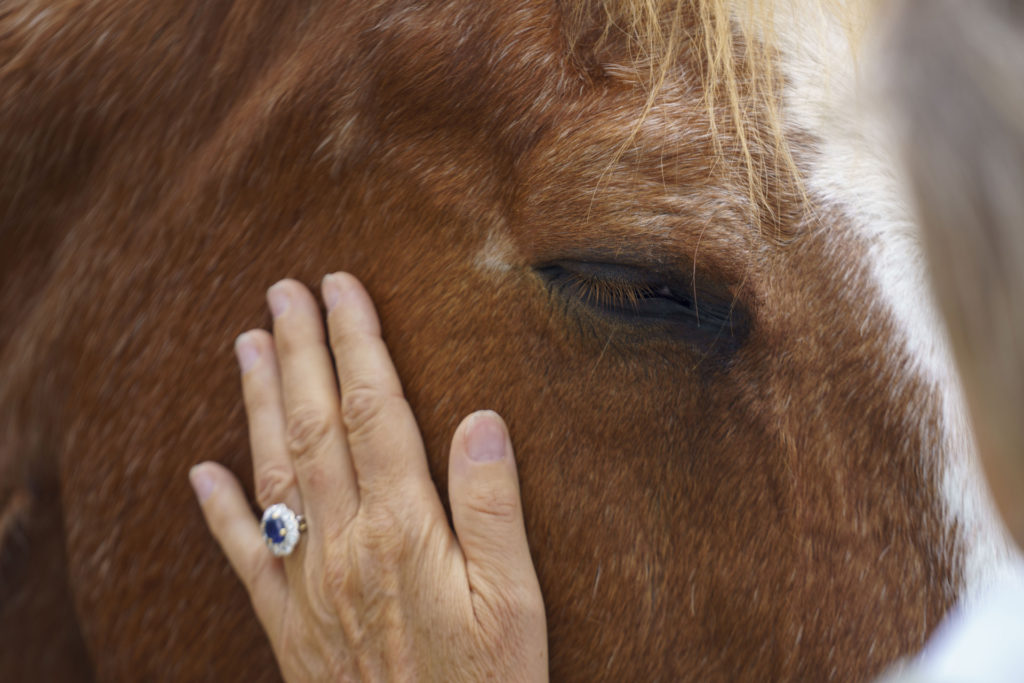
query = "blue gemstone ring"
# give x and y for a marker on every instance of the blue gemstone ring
(281, 529)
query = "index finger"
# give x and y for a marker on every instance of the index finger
(383, 437)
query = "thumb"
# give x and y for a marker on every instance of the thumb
(487, 512)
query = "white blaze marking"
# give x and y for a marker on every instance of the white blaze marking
(857, 170)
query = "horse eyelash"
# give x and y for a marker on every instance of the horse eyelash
(608, 293)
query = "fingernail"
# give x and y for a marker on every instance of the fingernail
(247, 351)
(331, 290)
(202, 483)
(278, 299)
(486, 440)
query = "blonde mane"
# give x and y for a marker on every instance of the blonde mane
(734, 44)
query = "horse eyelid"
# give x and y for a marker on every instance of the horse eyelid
(708, 318)
(611, 292)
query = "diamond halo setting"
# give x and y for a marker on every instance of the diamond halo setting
(281, 529)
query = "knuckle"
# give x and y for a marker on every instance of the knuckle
(383, 537)
(361, 410)
(272, 483)
(317, 482)
(500, 503)
(511, 610)
(338, 580)
(308, 429)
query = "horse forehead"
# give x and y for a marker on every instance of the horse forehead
(467, 49)
(855, 168)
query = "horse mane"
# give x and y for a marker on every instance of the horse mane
(733, 45)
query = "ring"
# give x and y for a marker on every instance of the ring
(281, 529)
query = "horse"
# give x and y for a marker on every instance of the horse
(658, 237)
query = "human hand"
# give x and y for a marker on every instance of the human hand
(378, 587)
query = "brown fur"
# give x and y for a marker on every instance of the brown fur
(769, 513)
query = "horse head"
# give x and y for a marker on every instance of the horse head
(740, 440)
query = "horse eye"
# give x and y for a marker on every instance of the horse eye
(701, 314)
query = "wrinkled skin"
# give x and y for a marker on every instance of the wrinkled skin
(374, 586)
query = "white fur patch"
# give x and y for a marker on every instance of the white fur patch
(857, 170)
(496, 255)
